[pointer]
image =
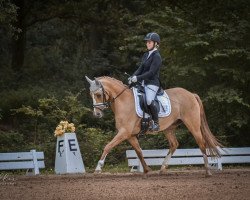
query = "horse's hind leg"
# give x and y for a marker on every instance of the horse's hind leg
(201, 143)
(193, 125)
(173, 144)
(135, 144)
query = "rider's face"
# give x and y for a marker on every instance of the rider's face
(150, 44)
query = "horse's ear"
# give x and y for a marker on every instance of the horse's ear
(89, 80)
(97, 82)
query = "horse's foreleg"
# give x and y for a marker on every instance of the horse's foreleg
(121, 136)
(135, 144)
(173, 144)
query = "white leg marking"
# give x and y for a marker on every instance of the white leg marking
(166, 160)
(100, 164)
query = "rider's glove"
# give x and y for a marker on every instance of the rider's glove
(134, 79)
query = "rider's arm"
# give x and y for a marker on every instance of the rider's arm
(154, 68)
(140, 69)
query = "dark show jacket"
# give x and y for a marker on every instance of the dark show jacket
(149, 69)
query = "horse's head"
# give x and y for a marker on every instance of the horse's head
(98, 95)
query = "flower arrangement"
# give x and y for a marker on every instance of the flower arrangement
(64, 126)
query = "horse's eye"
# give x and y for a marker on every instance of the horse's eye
(98, 95)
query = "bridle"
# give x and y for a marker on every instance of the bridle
(106, 103)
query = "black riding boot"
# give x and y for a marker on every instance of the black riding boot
(154, 113)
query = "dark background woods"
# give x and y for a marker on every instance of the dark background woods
(48, 46)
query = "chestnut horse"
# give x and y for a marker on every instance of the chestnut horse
(186, 106)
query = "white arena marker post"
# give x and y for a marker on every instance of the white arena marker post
(68, 155)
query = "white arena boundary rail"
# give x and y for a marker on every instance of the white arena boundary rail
(22, 160)
(188, 157)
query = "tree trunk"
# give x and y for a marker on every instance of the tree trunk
(19, 40)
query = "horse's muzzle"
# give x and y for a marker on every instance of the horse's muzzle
(98, 114)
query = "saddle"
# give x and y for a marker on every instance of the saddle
(143, 101)
(142, 109)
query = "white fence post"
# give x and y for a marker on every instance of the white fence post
(219, 164)
(35, 169)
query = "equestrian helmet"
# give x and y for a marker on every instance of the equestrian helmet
(153, 36)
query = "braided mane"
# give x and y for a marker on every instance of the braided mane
(111, 78)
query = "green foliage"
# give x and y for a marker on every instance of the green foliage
(1, 114)
(8, 14)
(9, 141)
(50, 111)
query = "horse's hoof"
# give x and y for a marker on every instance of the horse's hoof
(97, 171)
(145, 175)
(208, 174)
(163, 171)
(148, 170)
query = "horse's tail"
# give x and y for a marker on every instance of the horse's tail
(210, 141)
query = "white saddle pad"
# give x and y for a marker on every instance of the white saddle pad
(165, 107)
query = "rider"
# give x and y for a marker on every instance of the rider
(148, 74)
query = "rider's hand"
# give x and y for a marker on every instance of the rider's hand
(134, 79)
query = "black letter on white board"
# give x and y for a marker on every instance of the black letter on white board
(60, 144)
(71, 144)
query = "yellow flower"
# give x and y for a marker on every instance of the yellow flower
(58, 132)
(64, 126)
(59, 127)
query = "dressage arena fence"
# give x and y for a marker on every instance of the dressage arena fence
(32, 161)
(188, 157)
